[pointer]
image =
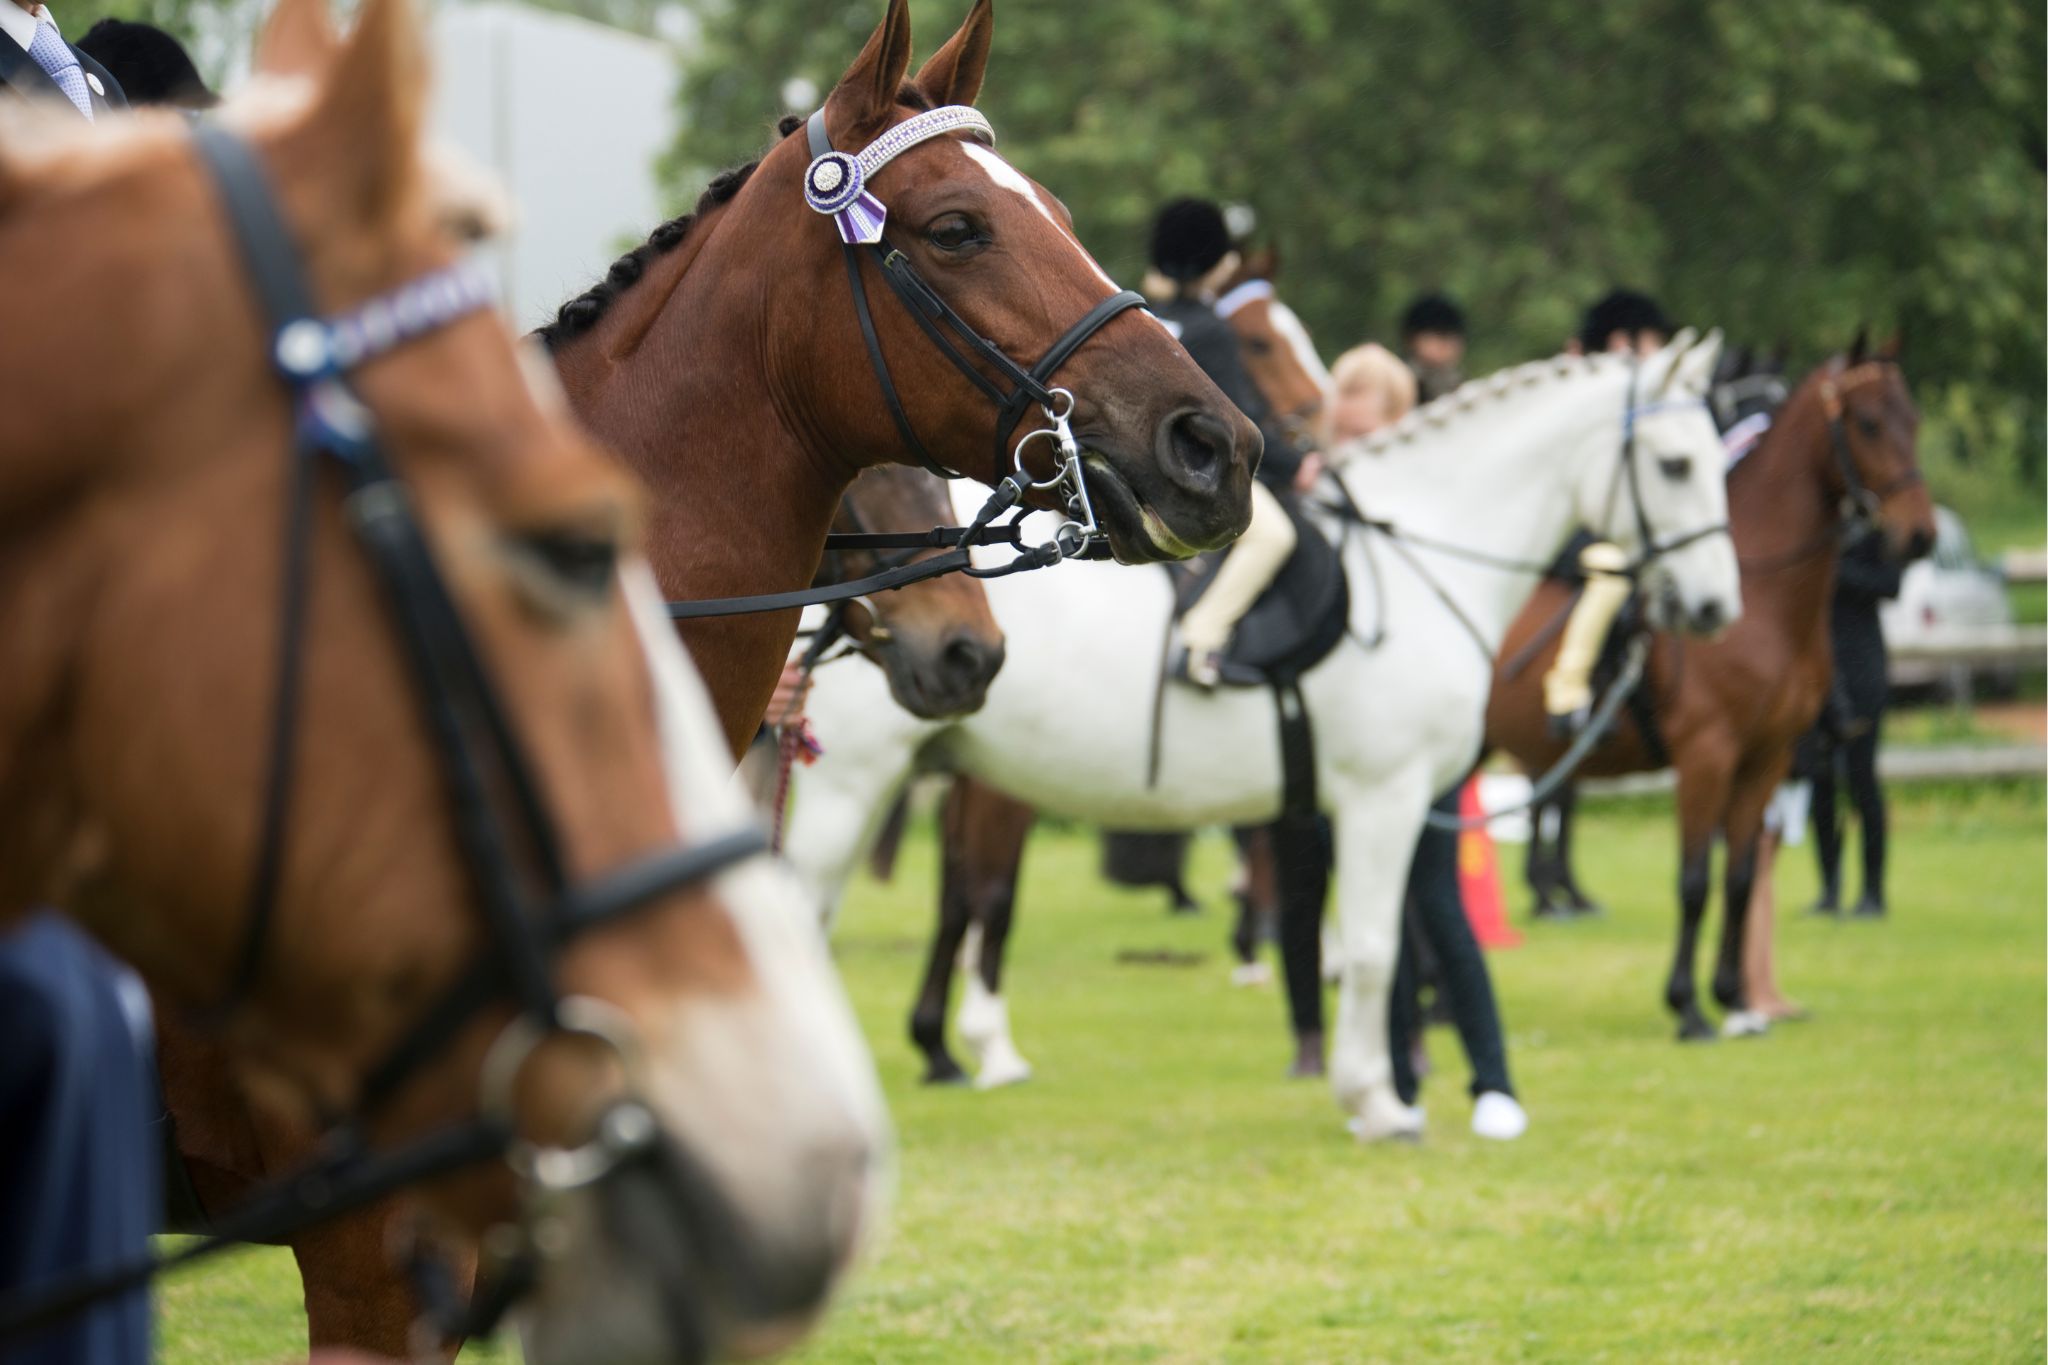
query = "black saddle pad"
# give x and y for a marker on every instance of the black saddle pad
(1295, 623)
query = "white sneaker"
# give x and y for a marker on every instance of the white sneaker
(1498, 1116)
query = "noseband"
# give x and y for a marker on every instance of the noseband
(514, 857)
(836, 185)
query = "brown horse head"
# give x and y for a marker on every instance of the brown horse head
(1169, 458)
(936, 640)
(142, 512)
(1278, 353)
(1873, 419)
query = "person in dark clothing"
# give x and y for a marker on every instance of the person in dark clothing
(1436, 913)
(1849, 726)
(80, 1144)
(1433, 344)
(1622, 320)
(151, 65)
(1191, 257)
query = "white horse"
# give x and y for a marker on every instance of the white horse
(1507, 466)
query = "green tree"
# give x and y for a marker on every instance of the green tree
(1786, 171)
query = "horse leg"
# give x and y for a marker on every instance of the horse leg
(1254, 894)
(1701, 799)
(1375, 837)
(1577, 902)
(1301, 865)
(1743, 826)
(1539, 867)
(992, 830)
(928, 1014)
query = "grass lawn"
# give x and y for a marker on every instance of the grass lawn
(1867, 1186)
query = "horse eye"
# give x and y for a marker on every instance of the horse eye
(953, 233)
(1259, 346)
(577, 560)
(1676, 468)
(1868, 426)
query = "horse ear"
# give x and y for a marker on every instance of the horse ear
(368, 118)
(1262, 264)
(866, 94)
(1892, 346)
(1692, 367)
(952, 75)
(1671, 356)
(297, 40)
(1860, 347)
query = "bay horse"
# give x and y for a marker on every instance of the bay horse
(484, 727)
(1510, 464)
(935, 640)
(1726, 713)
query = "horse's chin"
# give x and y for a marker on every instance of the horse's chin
(1137, 533)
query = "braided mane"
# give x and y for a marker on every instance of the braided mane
(1474, 392)
(581, 313)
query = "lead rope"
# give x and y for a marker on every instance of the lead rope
(795, 741)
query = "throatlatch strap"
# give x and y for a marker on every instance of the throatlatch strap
(820, 142)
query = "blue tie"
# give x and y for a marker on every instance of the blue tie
(54, 55)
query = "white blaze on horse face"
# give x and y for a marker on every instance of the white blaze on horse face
(772, 1087)
(1017, 183)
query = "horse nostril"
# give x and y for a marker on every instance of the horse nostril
(1709, 617)
(970, 663)
(1197, 450)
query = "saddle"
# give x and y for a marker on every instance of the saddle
(1295, 623)
(1642, 703)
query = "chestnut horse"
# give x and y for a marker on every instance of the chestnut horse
(1729, 711)
(724, 360)
(143, 514)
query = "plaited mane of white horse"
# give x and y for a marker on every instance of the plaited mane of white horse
(1509, 464)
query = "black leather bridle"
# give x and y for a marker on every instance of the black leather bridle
(972, 354)
(508, 838)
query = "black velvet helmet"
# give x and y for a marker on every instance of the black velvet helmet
(150, 64)
(1621, 310)
(1188, 238)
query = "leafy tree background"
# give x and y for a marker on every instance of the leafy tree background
(1786, 171)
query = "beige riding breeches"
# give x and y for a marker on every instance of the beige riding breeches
(1568, 686)
(1253, 562)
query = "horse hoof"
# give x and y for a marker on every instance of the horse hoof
(1306, 1069)
(1007, 1071)
(1696, 1030)
(1745, 1024)
(1406, 1126)
(950, 1074)
(1251, 974)
(1585, 909)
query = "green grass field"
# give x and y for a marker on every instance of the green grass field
(1866, 1186)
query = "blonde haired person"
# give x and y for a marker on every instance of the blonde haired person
(1371, 387)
